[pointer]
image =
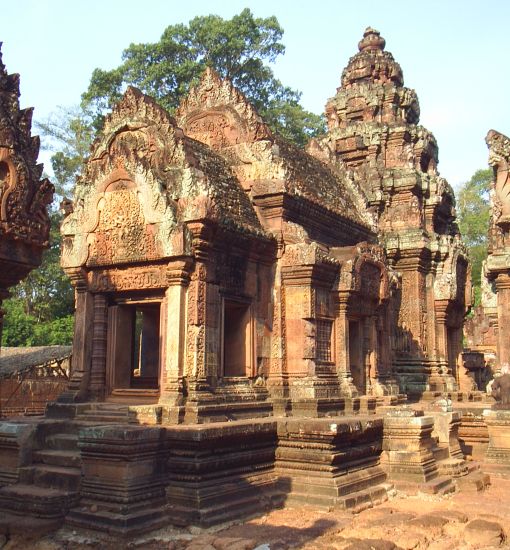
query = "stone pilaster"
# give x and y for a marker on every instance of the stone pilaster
(98, 357)
(503, 293)
(82, 340)
(3, 296)
(173, 330)
(343, 369)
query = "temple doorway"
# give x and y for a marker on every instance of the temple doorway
(133, 347)
(356, 358)
(454, 349)
(237, 339)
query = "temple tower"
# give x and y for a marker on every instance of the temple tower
(373, 133)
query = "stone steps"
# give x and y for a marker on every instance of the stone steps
(438, 486)
(120, 523)
(63, 442)
(106, 413)
(70, 459)
(441, 452)
(453, 467)
(56, 477)
(104, 418)
(43, 502)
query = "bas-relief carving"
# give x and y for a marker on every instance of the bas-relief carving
(121, 220)
(452, 277)
(129, 278)
(216, 113)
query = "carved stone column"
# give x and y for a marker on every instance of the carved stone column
(98, 362)
(343, 367)
(195, 369)
(503, 290)
(440, 307)
(173, 329)
(82, 339)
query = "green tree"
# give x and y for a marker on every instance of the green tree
(40, 311)
(68, 132)
(473, 210)
(240, 49)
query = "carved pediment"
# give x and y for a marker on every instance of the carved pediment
(218, 114)
(144, 181)
(366, 272)
(24, 196)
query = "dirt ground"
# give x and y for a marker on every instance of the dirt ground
(463, 520)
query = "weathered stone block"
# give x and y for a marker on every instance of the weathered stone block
(497, 458)
(16, 445)
(407, 447)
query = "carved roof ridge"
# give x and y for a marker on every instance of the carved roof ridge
(135, 102)
(213, 92)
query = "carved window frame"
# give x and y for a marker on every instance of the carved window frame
(324, 340)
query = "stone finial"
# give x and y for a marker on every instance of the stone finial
(372, 40)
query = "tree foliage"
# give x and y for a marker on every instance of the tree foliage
(68, 133)
(473, 211)
(40, 311)
(240, 49)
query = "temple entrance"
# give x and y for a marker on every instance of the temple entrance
(454, 348)
(133, 347)
(237, 339)
(356, 359)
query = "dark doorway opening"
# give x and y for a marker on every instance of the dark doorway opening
(134, 346)
(237, 339)
(356, 358)
(145, 364)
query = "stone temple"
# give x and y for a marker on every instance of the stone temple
(221, 272)
(234, 293)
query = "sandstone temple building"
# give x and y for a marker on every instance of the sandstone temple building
(234, 293)
(223, 272)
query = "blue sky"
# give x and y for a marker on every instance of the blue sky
(454, 53)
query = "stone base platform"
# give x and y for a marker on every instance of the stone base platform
(331, 462)
(221, 471)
